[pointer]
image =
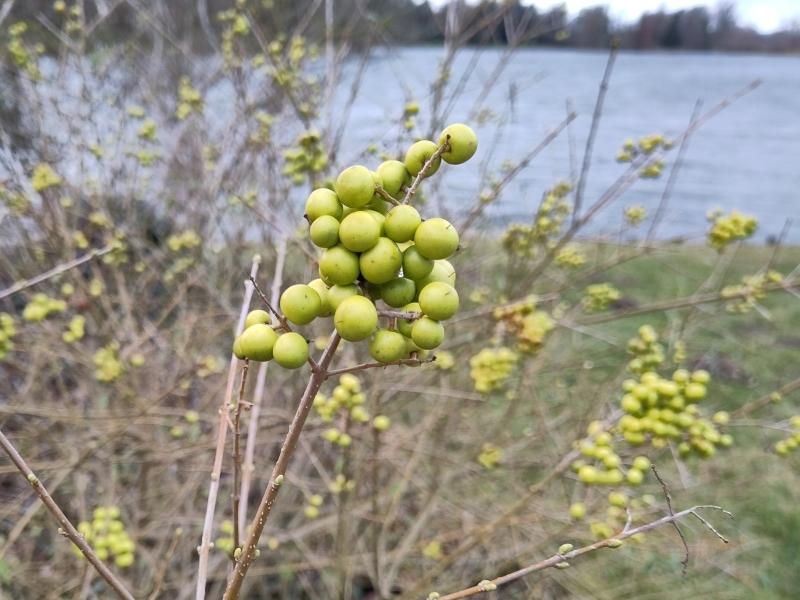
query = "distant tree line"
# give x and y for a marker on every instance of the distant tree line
(497, 22)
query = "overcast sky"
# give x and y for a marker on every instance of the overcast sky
(764, 15)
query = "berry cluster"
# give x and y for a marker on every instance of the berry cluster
(601, 465)
(308, 158)
(491, 367)
(528, 325)
(570, 257)
(648, 353)
(490, 456)
(785, 446)
(659, 410)
(42, 306)
(107, 536)
(108, 365)
(745, 295)
(75, 329)
(523, 240)
(645, 146)
(726, 229)
(635, 214)
(599, 297)
(7, 332)
(371, 254)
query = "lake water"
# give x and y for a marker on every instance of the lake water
(748, 157)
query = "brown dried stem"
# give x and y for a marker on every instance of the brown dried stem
(248, 554)
(557, 559)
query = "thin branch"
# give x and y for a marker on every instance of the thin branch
(423, 173)
(561, 559)
(408, 362)
(237, 453)
(66, 528)
(668, 497)
(386, 195)
(57, 270)
(673, 175)
(258, 397)
(276, 479)
(222, 430)
(598, 112)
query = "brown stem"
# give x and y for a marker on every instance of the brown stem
(424, 171)
(65, 526)
(287, 450)
(557, 559)
(237, 454)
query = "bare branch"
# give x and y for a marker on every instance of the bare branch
(66, 527)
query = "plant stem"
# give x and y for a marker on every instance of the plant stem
(237, 454)
(248, 554)
(219, 453)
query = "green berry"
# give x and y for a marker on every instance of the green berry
(338, 266)
(356, 318)
(291, 350)
(387, 346)
(404, 325)
(416, 266)
(355, 186)
(462, 143)
(401, 223)
(321, 202)
(418, 154)
(338, 293)
(257, 316)
(427, 333)
(257, 342)
(438, 300)
(436, 238)
(398, 292)
(319, 286)
(359, 231)
(382, 262)
(393, 175)
(324, 231)
(300, 304)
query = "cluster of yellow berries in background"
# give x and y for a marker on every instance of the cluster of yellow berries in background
(307, 159)
(75, 329)
(726, 229)
(190, 100)
(313, 505)
(745, 295)
(372, 254)
(599, 296)
(42, 306)
(788, 445)
(659, 410)
(107, 536)
(606, 467)
(108, 366)
(44, 177)
(571, 257)
(645, 146)
(490, 456)
(635, 214)
(491, 367)
(648, 353)
(525, 240)
(528, 325)
(7, 332)
(24, 56)
(185, 240)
